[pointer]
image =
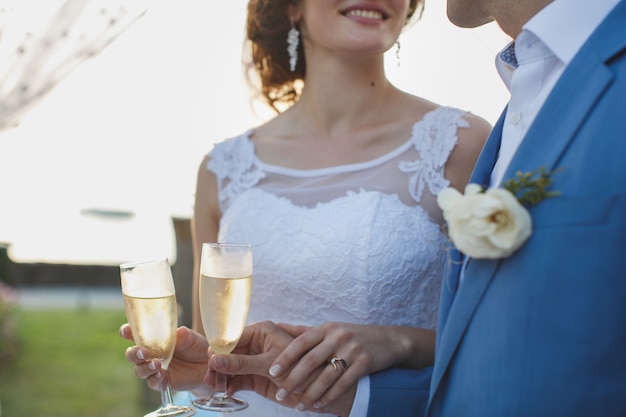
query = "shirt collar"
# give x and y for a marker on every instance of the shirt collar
(565, 25)
(562, 26)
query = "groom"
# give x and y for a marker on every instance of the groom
(541, 332)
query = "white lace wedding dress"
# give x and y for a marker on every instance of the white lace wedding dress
(358, 243)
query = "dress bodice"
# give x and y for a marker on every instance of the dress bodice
(357, 243)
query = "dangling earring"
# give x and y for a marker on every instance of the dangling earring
(293, 39)
(398, 52)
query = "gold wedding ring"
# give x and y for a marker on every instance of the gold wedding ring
(338, 361)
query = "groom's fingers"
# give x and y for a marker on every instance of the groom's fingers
(190, 346)
(234, 364)
(293, 330)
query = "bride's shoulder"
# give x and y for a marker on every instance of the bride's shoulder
(471, 140)
(473, 136)
(421, 108)
(232, 155)
(472, 130)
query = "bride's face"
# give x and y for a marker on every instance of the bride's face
(351, 26)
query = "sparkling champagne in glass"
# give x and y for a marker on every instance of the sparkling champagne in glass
(151, 310)
(225, 290)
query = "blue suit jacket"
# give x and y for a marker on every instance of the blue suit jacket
(543, 332)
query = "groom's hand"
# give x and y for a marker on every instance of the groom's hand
(249, 366)
(259, 345)
(250, 361)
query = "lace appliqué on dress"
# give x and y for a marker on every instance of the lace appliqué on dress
(234, 163)
(434, 138)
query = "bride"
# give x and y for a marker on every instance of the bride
(337, 193)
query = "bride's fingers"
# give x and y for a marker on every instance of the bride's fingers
(126, 332)
(149, 370)
(154, 381)
(328, 387)
(136, 355)
(296, 352)
(261, 386)
(312, 374)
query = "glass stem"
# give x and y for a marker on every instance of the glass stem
(220, 386)
(166, 392)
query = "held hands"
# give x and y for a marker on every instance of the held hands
(250, 362)
(364, 348)
(339, 349)
(187, 368)
(290, 364)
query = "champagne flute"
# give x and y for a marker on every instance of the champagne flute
(151, 310)
(225, 289)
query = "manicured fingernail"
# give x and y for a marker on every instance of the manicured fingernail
(140, 355)
(318, 404)
(274, 370)
(158, 375)
(281, 394)
(152, 366)
(300, 407)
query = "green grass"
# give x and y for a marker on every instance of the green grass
(71, 363)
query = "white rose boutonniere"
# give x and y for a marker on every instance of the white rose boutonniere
(493, 223)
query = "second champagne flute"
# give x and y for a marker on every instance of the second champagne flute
(151, 310)
(225, 290)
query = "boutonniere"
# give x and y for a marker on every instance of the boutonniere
(494, 223)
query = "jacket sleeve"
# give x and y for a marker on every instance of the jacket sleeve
(399, 392)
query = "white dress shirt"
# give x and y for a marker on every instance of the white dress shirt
(548, 42)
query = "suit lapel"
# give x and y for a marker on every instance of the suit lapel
(488, 155)
(461, 310)
(449, 331)
(579, 88)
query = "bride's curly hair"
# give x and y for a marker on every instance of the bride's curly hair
(266, 29)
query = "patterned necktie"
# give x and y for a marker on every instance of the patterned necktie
(508, 56)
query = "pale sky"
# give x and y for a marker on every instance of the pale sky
(127, 129)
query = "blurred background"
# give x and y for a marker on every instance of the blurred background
(126, 130)
(101, 168)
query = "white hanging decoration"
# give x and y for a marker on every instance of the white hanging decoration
(43, 56)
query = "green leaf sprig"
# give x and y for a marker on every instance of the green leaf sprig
(531, 188)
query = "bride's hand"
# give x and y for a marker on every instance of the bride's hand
(187, 367)
(364, 348)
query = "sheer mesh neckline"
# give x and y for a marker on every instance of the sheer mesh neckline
(420, 160)
(336, 169)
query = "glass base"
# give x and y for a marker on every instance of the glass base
(173, 411)
(221, 404)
